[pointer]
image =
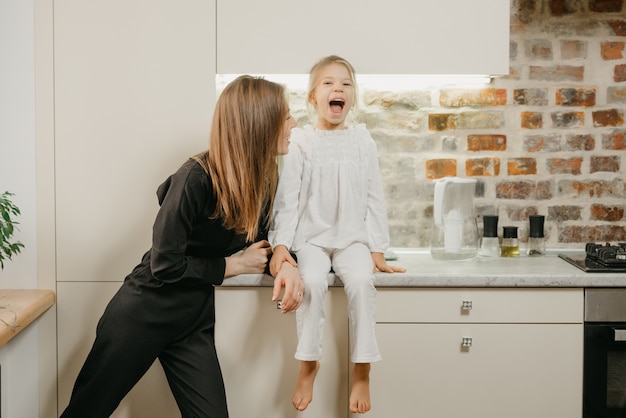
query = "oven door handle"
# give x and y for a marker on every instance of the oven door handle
(619, 334)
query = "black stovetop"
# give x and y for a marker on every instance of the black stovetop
(600, 258)
(590, 266)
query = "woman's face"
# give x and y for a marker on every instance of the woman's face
(283, 141)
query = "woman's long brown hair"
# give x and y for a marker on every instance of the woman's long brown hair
(247, 123)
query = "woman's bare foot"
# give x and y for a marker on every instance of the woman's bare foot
(303, 393)
(360, 393)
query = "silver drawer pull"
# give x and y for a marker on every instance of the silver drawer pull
(467, 305)
(466, 342)
(619, 334)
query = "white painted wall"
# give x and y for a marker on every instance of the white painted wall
(19, 358)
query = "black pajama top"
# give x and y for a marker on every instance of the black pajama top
(165, 308)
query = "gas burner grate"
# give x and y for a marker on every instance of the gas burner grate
(608, 255)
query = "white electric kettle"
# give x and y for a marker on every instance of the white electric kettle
(454, 234)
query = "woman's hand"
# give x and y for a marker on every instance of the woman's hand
(381, 264)
(281, 254)
(288, 277)
(250, 261)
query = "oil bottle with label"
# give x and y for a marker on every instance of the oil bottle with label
(510, 244)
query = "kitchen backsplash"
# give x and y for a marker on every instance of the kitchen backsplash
(547, 139)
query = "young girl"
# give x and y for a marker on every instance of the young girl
(215, 205)
(330, 211)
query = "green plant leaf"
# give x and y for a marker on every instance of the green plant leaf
(8, 210)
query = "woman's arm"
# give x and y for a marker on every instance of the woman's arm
(279, 256)
(186, 200)
(250, 261)
(288, 277)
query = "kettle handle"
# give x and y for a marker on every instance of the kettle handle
(440, 189)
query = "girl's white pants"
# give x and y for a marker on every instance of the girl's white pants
(354, 266)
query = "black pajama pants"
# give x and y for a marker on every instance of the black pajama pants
(143, 323)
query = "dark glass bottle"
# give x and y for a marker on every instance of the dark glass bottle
(490, 245)
(536, 241)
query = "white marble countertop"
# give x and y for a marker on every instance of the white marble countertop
(424, 271)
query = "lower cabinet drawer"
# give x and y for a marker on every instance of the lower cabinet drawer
(478, 371)
(501, 305)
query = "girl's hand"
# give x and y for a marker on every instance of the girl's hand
(280, 255)
(250, 261)
(380, 264)
(288, 277)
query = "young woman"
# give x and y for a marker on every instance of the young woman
(211, 225)
(330, 210)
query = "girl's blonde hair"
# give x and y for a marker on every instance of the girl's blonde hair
(247, 124)
(314, 76)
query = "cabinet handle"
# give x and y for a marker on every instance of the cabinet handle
(467, 305)
(466, 342)
(619, 334)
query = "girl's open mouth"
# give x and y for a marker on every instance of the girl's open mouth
(336, 106)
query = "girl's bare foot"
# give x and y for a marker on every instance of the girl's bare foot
(360, 393)
(303, 393)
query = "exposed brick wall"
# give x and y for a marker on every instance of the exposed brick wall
(547, 139)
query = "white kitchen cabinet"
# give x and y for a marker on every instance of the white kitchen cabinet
(525, 357)
(134, 91)
(513, 353)
(256, 345)
(398, 37)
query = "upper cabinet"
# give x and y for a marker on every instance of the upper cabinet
(377, 37)
(134, 91)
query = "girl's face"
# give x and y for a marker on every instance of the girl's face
(283, 141)
(332, 96)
